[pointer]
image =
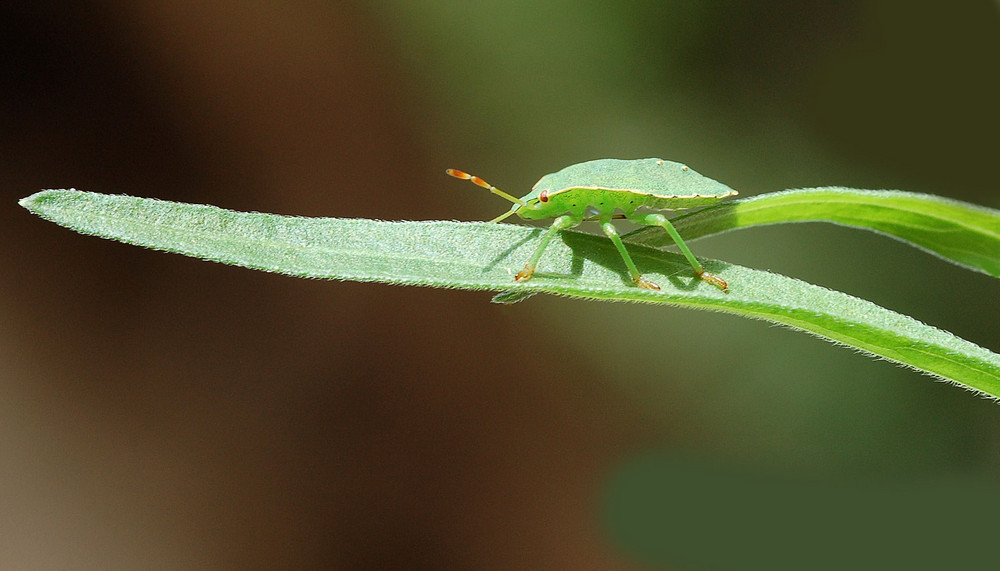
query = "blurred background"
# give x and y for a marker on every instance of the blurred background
(160, 411)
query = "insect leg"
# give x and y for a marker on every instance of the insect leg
(561, 223)
(661, 221)
(611, 232)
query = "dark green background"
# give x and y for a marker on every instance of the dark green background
(160, 410)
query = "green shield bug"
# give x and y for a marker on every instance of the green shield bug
(604, 189)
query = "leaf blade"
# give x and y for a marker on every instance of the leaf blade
(483, 256)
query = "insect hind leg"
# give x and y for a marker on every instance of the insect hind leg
(699, 270)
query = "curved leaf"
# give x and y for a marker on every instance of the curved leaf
(959, 232)
(484, 256)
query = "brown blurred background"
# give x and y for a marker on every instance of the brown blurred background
(159, 411)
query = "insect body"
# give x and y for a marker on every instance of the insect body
(611, 188)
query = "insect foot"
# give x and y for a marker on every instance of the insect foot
(645, 284)
(714, 280)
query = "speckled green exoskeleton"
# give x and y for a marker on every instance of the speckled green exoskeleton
(612, 188)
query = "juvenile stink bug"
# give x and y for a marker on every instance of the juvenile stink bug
(612, 188)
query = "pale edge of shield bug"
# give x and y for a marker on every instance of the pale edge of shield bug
(604, 189)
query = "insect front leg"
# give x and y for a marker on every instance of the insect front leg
(661, 221)
(611, 232)
(561, 223)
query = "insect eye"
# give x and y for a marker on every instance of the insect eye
(544, 196)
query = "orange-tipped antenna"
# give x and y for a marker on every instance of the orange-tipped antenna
(482, 183)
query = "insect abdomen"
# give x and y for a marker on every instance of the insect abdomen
(680, 202)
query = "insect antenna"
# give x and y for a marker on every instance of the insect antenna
(482, 183)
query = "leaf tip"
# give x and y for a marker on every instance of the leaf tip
(29, 201)
(37, 201)
(49, 200)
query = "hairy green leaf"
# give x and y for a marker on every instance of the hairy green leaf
(484, 256)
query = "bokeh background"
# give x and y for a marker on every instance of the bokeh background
(160, 411)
